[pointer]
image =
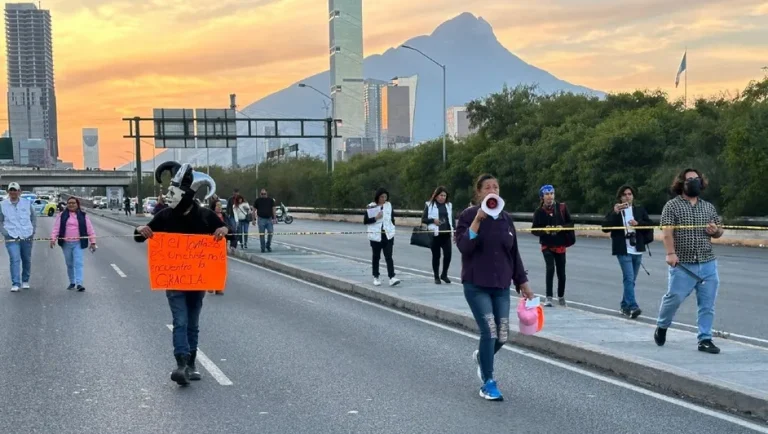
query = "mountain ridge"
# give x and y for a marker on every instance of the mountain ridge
(461, 43)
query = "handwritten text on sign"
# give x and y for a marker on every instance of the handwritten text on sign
(187, 262)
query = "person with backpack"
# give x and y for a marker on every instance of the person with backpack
(555, 218)
(628, 244)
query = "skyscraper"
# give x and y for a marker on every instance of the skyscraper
(91, 148)
(29, 50)
(346, 58)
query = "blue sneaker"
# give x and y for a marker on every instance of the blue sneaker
(490, 392)
(476, 358)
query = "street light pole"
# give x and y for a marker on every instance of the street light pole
(445, 109)
(331, 157)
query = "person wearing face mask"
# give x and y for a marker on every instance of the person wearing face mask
(73, 231)
(551, 214)
(184, 216)
(690, 248)
(490, 264)
(628, 244)
(18, 223)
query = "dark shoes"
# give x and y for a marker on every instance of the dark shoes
(179, 375)
(660, 336)
(708, 347)
(631, 313)
(192, 371)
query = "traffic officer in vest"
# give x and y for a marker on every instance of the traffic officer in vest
(18, 223)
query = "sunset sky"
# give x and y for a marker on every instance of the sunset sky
(116, 58)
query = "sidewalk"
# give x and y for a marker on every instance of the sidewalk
(735, 380)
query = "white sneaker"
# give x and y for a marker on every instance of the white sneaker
(25, 285)
(14, 289)
(376, 281)
(394, 281)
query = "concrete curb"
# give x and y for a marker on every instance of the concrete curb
(727, 239)
(750, 403)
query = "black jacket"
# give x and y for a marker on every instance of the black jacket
(618, 236)
(542, 219)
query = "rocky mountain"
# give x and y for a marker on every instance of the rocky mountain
(476, 65)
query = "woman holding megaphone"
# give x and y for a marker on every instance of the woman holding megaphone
(490, 263)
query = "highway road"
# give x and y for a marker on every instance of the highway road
(288, 357)
(593, 274)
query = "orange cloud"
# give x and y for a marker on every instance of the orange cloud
(117, 58)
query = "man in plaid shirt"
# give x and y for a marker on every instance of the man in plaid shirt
(691, 249)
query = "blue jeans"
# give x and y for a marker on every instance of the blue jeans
(73, 256)
(265, 224)
(20, 254)
(185, 308)
(680, 287)
(242, 229)
(490, 307)
(630, 265)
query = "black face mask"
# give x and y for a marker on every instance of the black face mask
(692, 187)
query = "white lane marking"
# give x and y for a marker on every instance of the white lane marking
(693, 407)
(614, 312)
(118, 270)
(209, 365)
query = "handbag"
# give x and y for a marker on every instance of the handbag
(570, 235)
(422, 237)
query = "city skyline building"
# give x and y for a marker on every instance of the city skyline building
(412, 82)
(91, 148)
(29, 53)
(387, 114)
(346, 67)
(458, 122)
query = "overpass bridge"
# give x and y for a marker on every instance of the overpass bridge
(30, 178)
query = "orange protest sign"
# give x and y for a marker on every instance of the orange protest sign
(187, 262)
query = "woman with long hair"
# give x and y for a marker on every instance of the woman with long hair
(490, 264)
(380, 219)
(73, 231)
(555, 215)
(438, 216)
(243, 215)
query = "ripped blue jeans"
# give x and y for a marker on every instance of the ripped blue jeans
(490, 307)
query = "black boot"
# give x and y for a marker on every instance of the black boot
(180, 374)
(192, 371)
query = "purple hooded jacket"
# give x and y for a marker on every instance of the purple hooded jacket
(491, 258)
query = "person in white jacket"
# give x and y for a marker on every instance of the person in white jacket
(438, 216)
(243, 214)
(381, 233)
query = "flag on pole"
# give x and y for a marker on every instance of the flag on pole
(683, 66)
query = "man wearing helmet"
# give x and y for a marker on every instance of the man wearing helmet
(184, 216)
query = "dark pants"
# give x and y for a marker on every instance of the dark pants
(385, 245)
(185, 308)
(442, 241)
(555, 262)
(490, 307)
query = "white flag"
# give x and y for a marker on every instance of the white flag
(683, 66)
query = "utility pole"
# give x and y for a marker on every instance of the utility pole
(138, 162)
(233, 106)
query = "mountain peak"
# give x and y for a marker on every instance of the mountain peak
(466, 24)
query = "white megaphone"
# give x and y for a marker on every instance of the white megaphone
(492, 205)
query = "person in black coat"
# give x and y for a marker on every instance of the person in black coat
(628, 244)
(554, 242)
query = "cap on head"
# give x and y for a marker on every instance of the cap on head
(546, 189)
(14, 186)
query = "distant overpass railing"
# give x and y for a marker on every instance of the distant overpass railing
(593, 219)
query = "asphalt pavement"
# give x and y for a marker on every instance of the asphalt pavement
(298, 359)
